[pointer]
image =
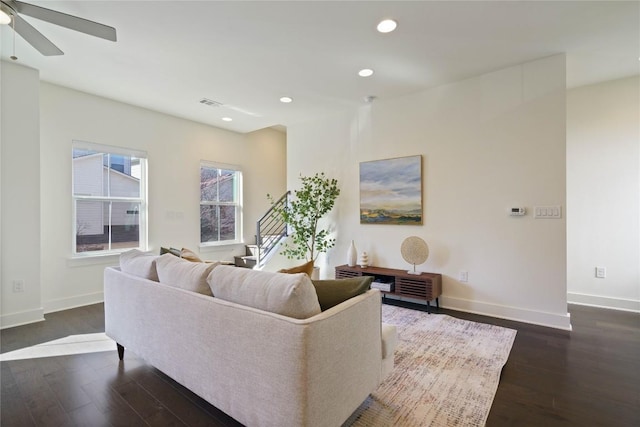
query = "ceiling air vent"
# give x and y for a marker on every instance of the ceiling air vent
(210, 102)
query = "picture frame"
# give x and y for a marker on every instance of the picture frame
(391, 191)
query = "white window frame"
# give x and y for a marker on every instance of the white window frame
(142, 200)
(238, 203)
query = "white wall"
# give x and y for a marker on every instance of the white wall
(175, 147)
(39, 122)
(267, 173)
(20, 236)
(603, 187)
(488, 143)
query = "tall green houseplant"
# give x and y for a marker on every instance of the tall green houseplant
(312, 201)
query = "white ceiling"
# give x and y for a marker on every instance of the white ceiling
(247, 54)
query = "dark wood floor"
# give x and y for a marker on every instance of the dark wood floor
(588, 377)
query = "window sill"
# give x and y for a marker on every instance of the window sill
(102, 259)
(223, 250)
(219, 244)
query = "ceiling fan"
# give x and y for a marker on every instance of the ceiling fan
(10, 11)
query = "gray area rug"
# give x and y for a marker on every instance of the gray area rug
(446, 374)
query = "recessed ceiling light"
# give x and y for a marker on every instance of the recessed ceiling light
(5, 18)
(387, 25)
(227, 119)
(286, 99)
(365, 72)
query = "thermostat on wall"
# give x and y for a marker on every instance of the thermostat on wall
(517, 211)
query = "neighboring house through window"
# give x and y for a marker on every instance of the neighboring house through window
(109, 198)
(220, 204)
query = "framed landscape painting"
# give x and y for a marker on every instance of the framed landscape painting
(391, 191)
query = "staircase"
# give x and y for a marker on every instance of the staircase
(270, 230)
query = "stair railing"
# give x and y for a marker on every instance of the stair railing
(270, 230)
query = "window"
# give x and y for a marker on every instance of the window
(109, 199)
(220, 204)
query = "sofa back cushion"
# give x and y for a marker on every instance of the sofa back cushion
(291, 295)
(140, 264)
(178, 272)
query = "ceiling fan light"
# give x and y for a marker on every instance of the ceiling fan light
(5, 18)
(365, 72)
(286, 99)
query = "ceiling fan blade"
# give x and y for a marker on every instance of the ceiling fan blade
(64, 20)
(35, 38)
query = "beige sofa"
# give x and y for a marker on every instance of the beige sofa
(260, 367)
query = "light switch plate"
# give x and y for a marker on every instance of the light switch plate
(547, 212)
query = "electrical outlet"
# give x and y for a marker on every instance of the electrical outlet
(464, 276)
(18, 286)
(601, 272)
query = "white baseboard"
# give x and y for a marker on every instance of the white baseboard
(21, 318)
(604, 302)
(551, 320)
(541, 318)
(73, 302)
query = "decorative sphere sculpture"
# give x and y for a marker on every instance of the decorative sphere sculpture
(415, 251)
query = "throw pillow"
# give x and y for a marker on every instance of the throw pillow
(333, 292)
(140, 264)
(290, 295)
(192, 276)
(189, 255)
(304, 268)
(172, 251)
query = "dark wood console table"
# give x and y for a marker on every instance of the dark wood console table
(423, 286)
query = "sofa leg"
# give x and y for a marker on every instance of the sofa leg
(120, 351)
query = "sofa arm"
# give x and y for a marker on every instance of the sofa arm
(389, 340)
(344, 358)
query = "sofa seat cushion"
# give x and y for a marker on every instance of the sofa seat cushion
(333, 292)
(290, 295)
(178, 272)
(139, 264)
